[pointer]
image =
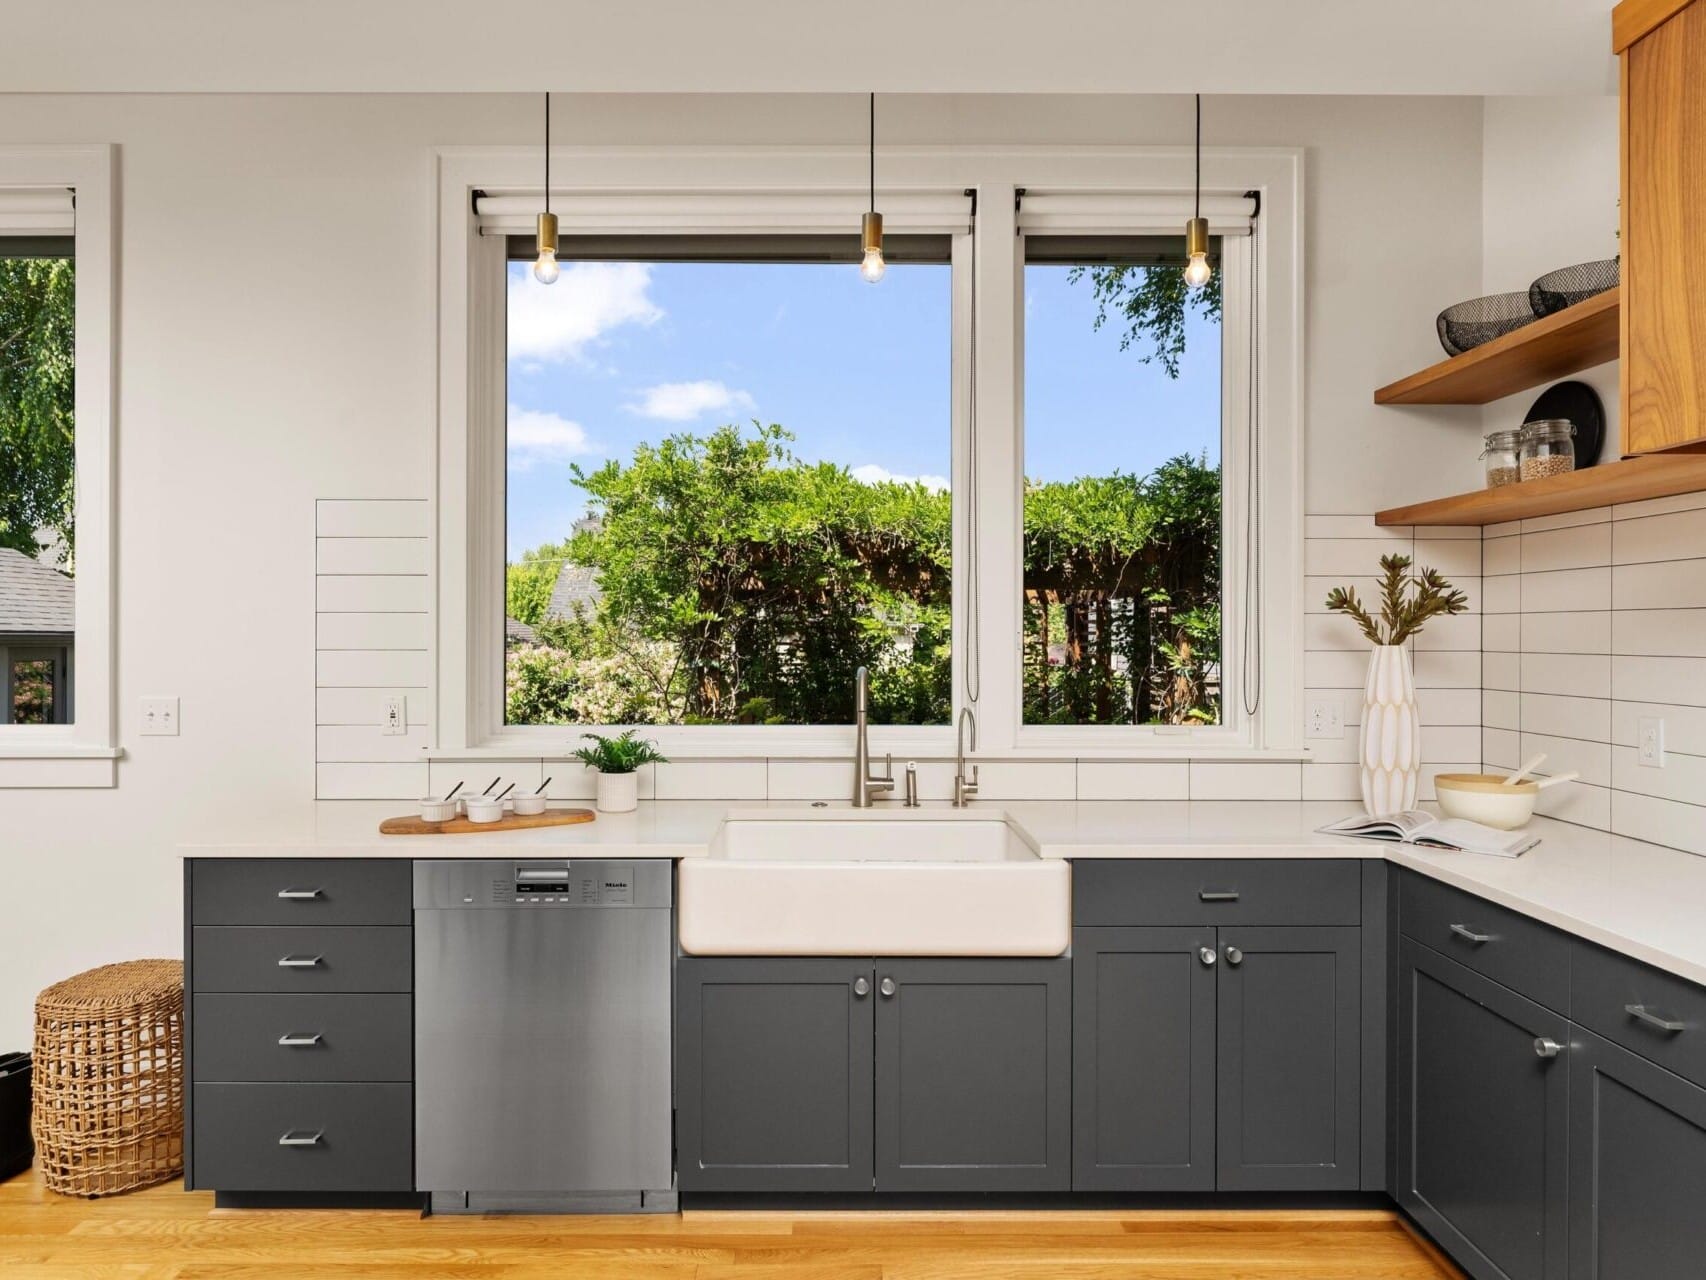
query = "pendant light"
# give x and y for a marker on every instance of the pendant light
(1197, 271)
(871, 225)
(545, 265)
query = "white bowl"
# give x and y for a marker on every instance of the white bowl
(527, 805)
(1483, 798)
(484, 809)
(435, 810)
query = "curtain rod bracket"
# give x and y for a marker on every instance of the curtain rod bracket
(1256, 195)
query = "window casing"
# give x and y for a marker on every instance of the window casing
(1262, 564)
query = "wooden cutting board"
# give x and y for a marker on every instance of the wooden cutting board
(411, 825)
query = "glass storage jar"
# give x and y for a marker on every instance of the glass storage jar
(1548, 448)
(1504, 458)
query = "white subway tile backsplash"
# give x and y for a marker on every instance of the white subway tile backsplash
(1673, 680)
(1028, 780)
(1502, 633)
(1337, 556)
(1663, 633)
(1682, 778)
(1590, 759)
(1680, 535)
(481, 777)
(713, 780)
(1659, 821)
(1580, 675)
(1448, 706)
(1326, 669)
(1501, 556)
(1501, 709)
(1148, 780)
(1662, 584)
(1447, 669)
(1458, 631)
(1658, 506)
(1456, 558)
(1586, 632)
(1564, 590)
(1578, 803)
(1451, 742)
(1684, 727)
(1331, 781)
(1565, 520)
(1501, 671)
(1501, 748)
(1501, 593)
(1245, 780)
(1565, 717)
(1581, 547)
(571, 780)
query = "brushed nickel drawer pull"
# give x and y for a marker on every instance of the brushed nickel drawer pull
(298, 895)
(1217, 895)
(1653, 1018)
(1464, 931)
(299, 1042)
(298, 1138)
(299, 962)
(1547, 1047)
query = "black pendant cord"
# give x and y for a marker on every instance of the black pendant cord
(547, 151)
(873, 152)
(1198, 206)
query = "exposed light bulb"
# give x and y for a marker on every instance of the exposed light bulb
(873, 266)
(545, 266)
(1197, 271)
(871, 239)
(545, 269)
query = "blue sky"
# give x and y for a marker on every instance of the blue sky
(614, 354)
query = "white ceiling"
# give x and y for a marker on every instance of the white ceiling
(1490, 47)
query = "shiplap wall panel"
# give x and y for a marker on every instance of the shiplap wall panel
(366, 592)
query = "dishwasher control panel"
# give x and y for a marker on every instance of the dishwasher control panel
(531, 885)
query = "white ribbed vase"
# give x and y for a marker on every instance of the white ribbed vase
(1390, 757)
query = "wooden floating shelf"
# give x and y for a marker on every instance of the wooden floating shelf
(1562, 343)
(1657, 475)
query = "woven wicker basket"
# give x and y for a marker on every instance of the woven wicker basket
(108, 1112)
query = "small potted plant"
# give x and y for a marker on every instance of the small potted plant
(616, 760)
(1389, 756)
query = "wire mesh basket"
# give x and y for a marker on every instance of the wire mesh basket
(1569, 285)
(1464, 326)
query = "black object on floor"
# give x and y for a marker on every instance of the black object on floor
(16, 1147)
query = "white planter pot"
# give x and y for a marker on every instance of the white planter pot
(618, 792)
(1390, 756)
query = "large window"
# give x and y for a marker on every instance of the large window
(727, 483)
(38, 315)
(1122, 595)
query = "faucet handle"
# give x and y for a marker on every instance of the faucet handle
(888, 768)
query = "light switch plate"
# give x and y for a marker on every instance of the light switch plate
(160, 717)
(1650, 742)
(395, 717)
(1324, 718)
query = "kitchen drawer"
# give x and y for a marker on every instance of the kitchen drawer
(1521, 953)
(1186, 891)
(344, 1137)
(301, 891)
(1653, 1013)
(302, 1037)
(228, 958)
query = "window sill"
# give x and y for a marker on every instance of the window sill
(57, 765)
(932, 744)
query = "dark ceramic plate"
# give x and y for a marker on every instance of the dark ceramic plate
(1579, 403)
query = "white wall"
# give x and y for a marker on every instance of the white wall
(277, 346)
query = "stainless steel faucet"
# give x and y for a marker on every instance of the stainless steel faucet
(964, 788)
(865, 783)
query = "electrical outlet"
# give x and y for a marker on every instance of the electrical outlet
(160, 717)
(1324, 718)
(395, 721)
(1650, 742)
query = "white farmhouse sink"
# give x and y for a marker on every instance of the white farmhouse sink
(873, 884)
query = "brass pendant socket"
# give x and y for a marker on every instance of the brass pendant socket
(871, 231)
(547, 233)
(1196, 237)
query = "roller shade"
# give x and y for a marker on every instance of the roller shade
(1066, 213)
(37, 211)
(732, 213)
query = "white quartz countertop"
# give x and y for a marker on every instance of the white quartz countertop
(1639, 899)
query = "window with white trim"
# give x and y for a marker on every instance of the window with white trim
(1205, 642)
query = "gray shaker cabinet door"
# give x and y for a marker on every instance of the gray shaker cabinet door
(773, 1074)
(1637, 1167)
(1483, 1119)
(1143, 1059)
(974, 1084)
(1290, 1059)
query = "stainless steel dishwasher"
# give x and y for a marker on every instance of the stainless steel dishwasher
(542, 1036)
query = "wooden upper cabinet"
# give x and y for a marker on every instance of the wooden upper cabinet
(1663, 44)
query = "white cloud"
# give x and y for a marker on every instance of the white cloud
(684, 401)
(871, 473)
(556, 322)
(535, 436)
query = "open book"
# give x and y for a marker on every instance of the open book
(1413, 826)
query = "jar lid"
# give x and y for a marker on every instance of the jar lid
(1497, 440)
(1550, 429)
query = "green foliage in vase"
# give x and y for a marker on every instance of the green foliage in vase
(624, 753)
(1407, 601)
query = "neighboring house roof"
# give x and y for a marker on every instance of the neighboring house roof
(34, 599)
(518, 633)
(576, 585)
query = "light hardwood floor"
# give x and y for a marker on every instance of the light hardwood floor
(165, 1234)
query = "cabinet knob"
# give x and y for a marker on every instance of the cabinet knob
(887, 987)
(1206, 955)
(861, 987)
(1234, 957)
(1546, 1047)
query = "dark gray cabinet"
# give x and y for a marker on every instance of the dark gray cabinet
(1143, 1059)
(1483, 1118)
(1637, 1167)
(1290, 1059)
(773, 1074)
(973, 1075)
(805, 1074)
